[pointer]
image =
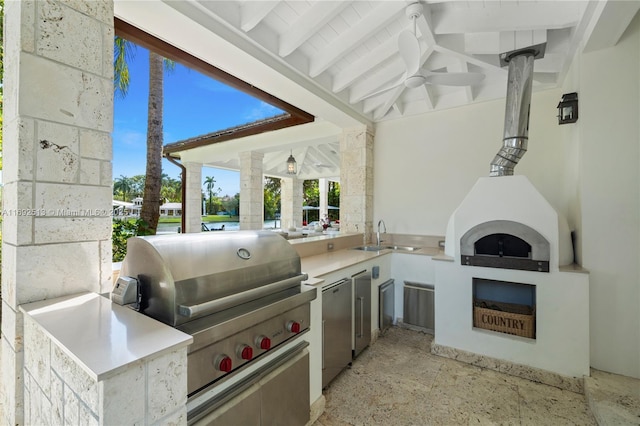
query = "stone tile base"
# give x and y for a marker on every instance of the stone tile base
(613, 399)
(573, 384)
(317, 408)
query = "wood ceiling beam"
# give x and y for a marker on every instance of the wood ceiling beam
(612, 20)
(253, 12)
(307, 25)
(382, 111)
(425, 27)
(331, 158)
(373, 22)
(357, 69)
(166, 50)
(323, 159)
(274, 161)
(301, 159)
(462, 66)
(478, 17)
(293, 116)
(393, 73)
(425, 90)
(470, 59)
(398, 108)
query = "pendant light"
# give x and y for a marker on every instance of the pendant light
(292, 166)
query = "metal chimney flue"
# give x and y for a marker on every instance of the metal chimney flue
(518, 103)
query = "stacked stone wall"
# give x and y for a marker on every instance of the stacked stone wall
(58, 119)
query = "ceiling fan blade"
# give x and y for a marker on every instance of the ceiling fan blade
(386, 89)
(409, 48)
(453, 78)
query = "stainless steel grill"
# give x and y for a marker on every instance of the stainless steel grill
(239, 294)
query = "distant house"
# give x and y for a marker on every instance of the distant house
(123, 208)
(171, 209)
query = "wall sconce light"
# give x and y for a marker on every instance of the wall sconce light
(292, 166)
(568, 108)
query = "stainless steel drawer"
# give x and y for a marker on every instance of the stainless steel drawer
(418, 305)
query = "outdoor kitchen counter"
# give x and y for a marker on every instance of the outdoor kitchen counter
(102, 337)
(325, 263)
(322, 264)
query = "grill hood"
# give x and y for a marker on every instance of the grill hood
(186, 276)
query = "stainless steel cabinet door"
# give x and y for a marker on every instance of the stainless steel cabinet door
(362, 310)
(285, 395)
(418, 305)
(336, 329)
(386, 308)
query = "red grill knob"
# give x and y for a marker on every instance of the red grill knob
(264, 343)
(246, 352)
(293, 326)
(224, 364)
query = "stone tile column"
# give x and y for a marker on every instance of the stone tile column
(193, 200)
(251, 191)
(58, 119)
(356, 181)
(323, 186)
(291, 203)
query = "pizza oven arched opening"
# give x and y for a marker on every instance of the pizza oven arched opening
(505, 244)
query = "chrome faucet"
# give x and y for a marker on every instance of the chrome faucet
(378, 240)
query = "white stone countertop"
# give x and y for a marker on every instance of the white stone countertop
(101, 336)
(325, 263)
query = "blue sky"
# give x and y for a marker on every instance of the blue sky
(194, 104)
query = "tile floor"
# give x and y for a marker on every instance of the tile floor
(397, 381)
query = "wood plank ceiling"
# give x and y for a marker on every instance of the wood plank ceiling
(350, 48)
(346, 52)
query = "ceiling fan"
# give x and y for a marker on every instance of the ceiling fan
(414, 76)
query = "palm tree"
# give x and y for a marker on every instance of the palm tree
(210, 183)
(150, 211)
(123, 186)
(137, 185)
(171, 188)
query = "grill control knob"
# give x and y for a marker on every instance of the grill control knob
(245, 352)
(223, 363)
(293, 327)
(263, 342)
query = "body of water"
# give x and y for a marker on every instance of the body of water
(169, 228)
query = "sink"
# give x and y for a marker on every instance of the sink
(404, 248)
(378, 248)
(371, 248)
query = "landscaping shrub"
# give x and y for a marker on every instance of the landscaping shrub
(122, 231)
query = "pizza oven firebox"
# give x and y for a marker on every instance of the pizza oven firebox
(505, 244)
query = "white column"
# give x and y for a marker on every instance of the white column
(356, 181)
(193, 197)
(323, 185)
(58, 119)
(291, 203)
(251, 191)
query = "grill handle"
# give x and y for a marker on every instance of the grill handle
(206, 308)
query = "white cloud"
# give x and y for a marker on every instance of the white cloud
(211, 85)
(130, 138)
(263, 110)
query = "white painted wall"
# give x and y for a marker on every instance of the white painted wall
(589, 172)
(608, 84)
(425, 165)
